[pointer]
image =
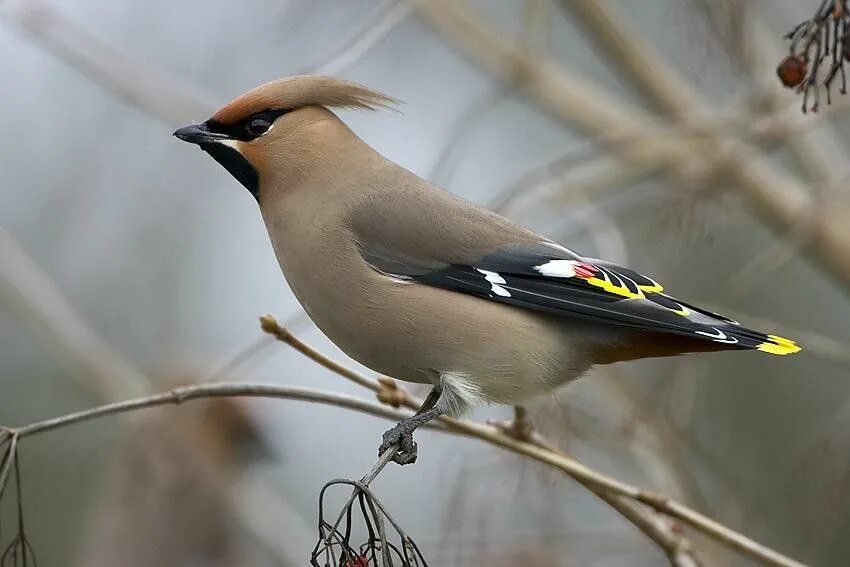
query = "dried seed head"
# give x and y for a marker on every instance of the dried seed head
(792, 70)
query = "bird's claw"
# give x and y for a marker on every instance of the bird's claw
(402, 439)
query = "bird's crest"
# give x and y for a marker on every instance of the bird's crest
(290, 93)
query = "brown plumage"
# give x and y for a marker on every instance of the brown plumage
(421, 285)
(294, 92)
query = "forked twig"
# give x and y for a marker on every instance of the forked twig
(336, 545)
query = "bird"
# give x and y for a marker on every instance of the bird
(416, 283)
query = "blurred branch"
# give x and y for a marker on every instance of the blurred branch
(774, 255)
(634, 57)
(659, 80)
(532, 38)
(820, 151)
(469, 118)
(155, 93)
(267, 515)
(816, 344)
(40, 306)
(777, 197)
(385, 19)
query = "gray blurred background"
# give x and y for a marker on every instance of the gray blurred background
(130, 262)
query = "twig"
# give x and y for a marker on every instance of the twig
(464, 427)
(338, 536)
(9, 457)
(383, 459)
(199, 391)
(821, 151)
(269, 325)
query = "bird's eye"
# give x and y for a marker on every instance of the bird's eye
(258, 126)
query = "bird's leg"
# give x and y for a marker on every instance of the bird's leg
(402, 434)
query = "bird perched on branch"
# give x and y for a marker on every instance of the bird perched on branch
(421, 285)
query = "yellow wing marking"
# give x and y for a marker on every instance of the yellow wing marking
(611, 287)
(778, 345)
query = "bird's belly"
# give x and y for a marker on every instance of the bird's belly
(418, 334)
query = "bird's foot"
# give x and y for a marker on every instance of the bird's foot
(400, 436)
(520, 427)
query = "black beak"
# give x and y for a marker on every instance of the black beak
(229, 157)
(199, 134)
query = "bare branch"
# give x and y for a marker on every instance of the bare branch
(199, 391)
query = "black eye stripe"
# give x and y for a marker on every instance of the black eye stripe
(248, 129)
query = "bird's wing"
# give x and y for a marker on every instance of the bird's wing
(546, 277)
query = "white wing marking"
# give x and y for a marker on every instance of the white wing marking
(495, 279)
(718, 336)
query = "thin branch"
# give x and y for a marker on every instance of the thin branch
(199, 391)
(269, 325)
(9, 456)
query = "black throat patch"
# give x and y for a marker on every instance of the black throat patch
(236, 165)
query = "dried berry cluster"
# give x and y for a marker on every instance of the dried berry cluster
(822, 40)
(363, 519)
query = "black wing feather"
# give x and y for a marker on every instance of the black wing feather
(554, 280)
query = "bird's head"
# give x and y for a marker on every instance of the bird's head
(253, 133)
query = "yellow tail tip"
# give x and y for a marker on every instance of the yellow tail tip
(779, 345)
